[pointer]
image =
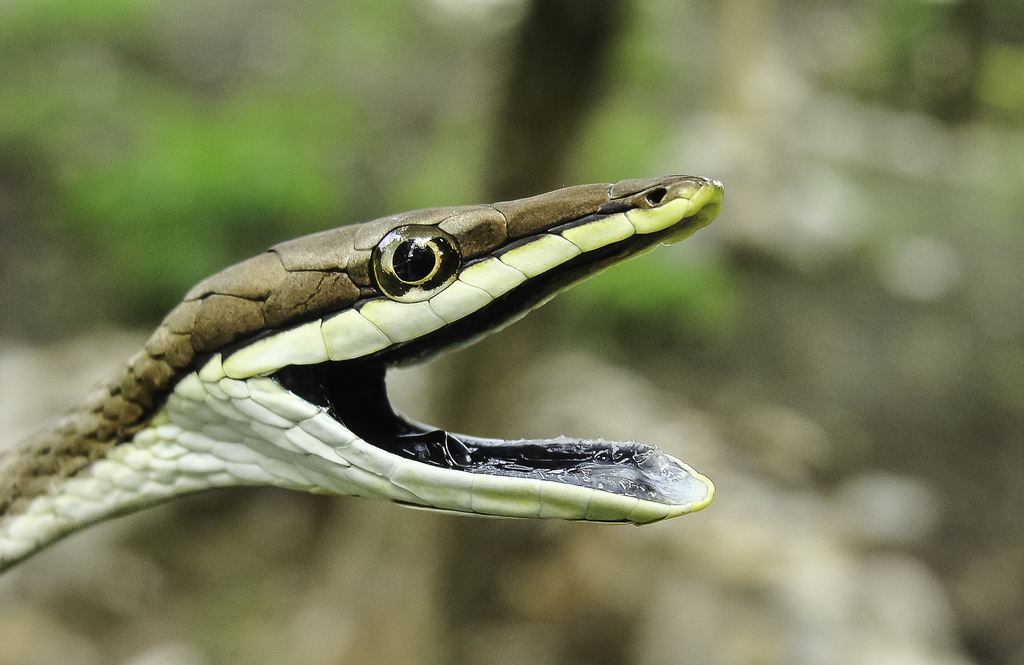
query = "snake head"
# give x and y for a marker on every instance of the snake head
(273, 372)
(439, 279)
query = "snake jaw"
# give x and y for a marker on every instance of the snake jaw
(338, 364)
(620, 481)
(225, 391)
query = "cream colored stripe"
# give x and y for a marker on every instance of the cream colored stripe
(540, 255)
(303, 345)
(402, 321)
(651, 220)
(458, 300)
(351, 335)
(600, 233)
(492, 276)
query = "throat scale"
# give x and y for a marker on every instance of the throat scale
(272, 372)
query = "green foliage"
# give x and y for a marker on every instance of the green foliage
(638, 116)
(621, 142)
(923, 56)
(171, 141)
(193, 191)
(1002, 73)
(445, 172)
(668, 299)
(49, 23)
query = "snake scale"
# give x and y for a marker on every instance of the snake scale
(272, 372)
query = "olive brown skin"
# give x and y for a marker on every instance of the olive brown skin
(292, 282)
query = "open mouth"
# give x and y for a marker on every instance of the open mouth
(354, 393)
(357, 398)
(272, 372)
(431, 292)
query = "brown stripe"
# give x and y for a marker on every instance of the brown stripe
(294, 281)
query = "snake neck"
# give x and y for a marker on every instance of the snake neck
(257, 376)
(220, 310)
(67, 445)
(208, 432)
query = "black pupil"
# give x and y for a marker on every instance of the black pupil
(413, 262)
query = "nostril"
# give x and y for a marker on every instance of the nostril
(655, 196)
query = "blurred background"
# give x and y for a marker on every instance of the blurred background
(841, 351)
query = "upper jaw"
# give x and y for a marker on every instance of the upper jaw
(571, 478)
(355, 394)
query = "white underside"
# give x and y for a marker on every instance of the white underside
(226, 425)
(220, 432)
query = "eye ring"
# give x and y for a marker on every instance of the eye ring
(412, 263)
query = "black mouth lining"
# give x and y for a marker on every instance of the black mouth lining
(355, 394)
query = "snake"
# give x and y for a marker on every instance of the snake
(272, 372)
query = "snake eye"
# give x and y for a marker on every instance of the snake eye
(412, 263)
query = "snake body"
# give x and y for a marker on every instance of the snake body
(272, 372)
